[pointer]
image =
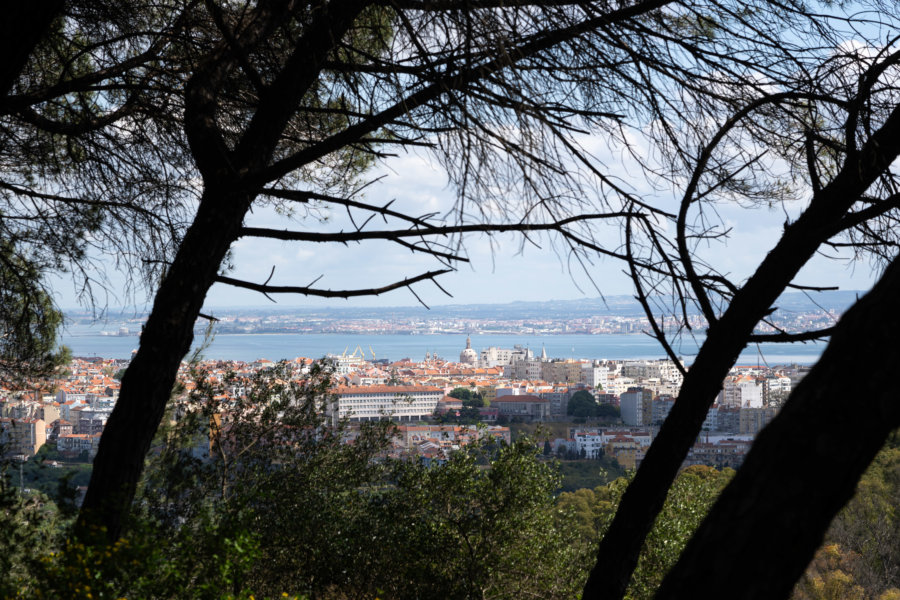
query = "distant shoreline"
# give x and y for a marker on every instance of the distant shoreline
(248, 347)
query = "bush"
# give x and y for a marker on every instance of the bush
(336, 520)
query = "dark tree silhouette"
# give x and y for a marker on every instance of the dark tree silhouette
(852, 188)
(76, 173)
(221, 107)
(291, 100)
(804, 466)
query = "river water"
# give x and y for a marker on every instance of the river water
(249, 347)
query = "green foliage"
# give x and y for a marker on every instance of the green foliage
(476, 402)
(145, 564)
(539, 431)
(464, 531)
(592, 508)
(469, 399)
(29, 322)
(29, 525)
(861, 548)
(608, 411)
(39, 475)
(583, 405)
(827, 578)
(336, 520)
(37, 561)
(461, 393)
(469, 413)
(588, 473)
(689, 499)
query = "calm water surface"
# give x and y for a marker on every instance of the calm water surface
(249, 347)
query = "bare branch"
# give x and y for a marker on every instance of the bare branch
(434, 230)
(785, 337)
(308, 291)
(304, 196)
(658, 334)
(452, 81)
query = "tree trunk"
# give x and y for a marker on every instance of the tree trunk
(165, 339)
(766, 526)
(231, 181)
(22, 27)
(620, 547)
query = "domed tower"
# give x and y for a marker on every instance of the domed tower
(468, 356)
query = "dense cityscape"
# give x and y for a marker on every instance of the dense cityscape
(619, 315)
(513, 386)
(591, 420)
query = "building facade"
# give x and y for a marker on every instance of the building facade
(376, 402)
(524, 406)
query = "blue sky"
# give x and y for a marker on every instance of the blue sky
(505, 271)
(500, 272)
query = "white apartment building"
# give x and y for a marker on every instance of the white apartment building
(523, 369)
(663, 370)
(592, 442)
(777, 385)
(510, 391)
(641, 369)
(495, 357)
(741, 392)
(344, 364)
(375, 402)
(594, 376)
(636, 406)
(711, 422)
(519, 354)
(619, 385)
(533, 369)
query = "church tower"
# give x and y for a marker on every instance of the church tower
(468, 356)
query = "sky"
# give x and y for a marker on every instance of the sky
(502, 268)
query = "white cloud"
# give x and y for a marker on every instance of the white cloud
(502, 268)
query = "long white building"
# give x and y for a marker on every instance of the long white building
(374, 402)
